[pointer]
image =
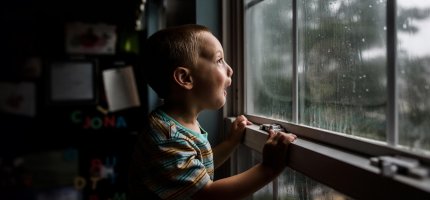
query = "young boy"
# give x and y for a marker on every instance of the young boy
(173, 159)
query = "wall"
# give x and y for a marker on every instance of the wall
(208, 13)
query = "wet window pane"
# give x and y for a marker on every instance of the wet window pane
(247, 159)
(293, 185)
(342, 66)
(268, 59)
(290, 185)
(413, 69)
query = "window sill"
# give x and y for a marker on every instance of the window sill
(344, 171)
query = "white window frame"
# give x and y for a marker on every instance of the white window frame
(339, 161)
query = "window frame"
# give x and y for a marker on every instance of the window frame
(333, 152)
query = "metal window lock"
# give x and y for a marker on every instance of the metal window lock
(390, 166)
(274, 127)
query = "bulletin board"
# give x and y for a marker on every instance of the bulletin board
(85, 133)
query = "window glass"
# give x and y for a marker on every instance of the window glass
(248, 1)
(296, 186)
(265, 192)
(413, 72)
(342, 66)
(290, 185)
(268, 59)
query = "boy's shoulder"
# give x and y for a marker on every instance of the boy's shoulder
(161, 126)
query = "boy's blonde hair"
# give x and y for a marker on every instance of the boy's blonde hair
(167, 49)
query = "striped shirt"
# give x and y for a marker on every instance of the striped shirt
(170, 161)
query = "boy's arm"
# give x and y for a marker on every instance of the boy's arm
(248, 182)
(223, 150)
(238, 186)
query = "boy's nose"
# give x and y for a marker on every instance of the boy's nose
(229, 71)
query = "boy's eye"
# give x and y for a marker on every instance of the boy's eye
(220, 61)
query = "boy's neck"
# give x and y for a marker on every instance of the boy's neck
(182, 114)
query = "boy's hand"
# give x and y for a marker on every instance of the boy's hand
(275, 150)
(237, 129)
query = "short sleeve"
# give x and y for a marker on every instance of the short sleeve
(176, 171)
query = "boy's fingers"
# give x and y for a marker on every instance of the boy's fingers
(271, 132)
(290, 137)
(293, 135)
(242, 124)
(282, 140)
(241, 117)
(285, 138)
(276, 136)
(247, 121)
(271, 136)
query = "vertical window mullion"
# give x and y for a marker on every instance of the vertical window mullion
(392, 108)
(275, 185)
(295, 83)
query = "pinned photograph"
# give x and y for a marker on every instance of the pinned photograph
(84, 38)
(18, 98)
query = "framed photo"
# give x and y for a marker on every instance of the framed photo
(72, 82)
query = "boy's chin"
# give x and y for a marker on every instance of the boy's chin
(219, 105)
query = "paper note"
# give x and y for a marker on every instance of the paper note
(120, 87)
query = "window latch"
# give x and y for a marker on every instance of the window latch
(274, 127)
(390, 166)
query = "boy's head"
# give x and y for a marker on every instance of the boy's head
(167, 49)
(187, 58)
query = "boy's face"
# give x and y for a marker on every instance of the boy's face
(212, 74)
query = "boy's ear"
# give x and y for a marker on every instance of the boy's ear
(183, 78)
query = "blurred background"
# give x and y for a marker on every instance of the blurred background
(72, 96)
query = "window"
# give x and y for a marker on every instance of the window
(289, 185)
(269, 62)
(349, 78)
(413, 69)
(341, 66)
